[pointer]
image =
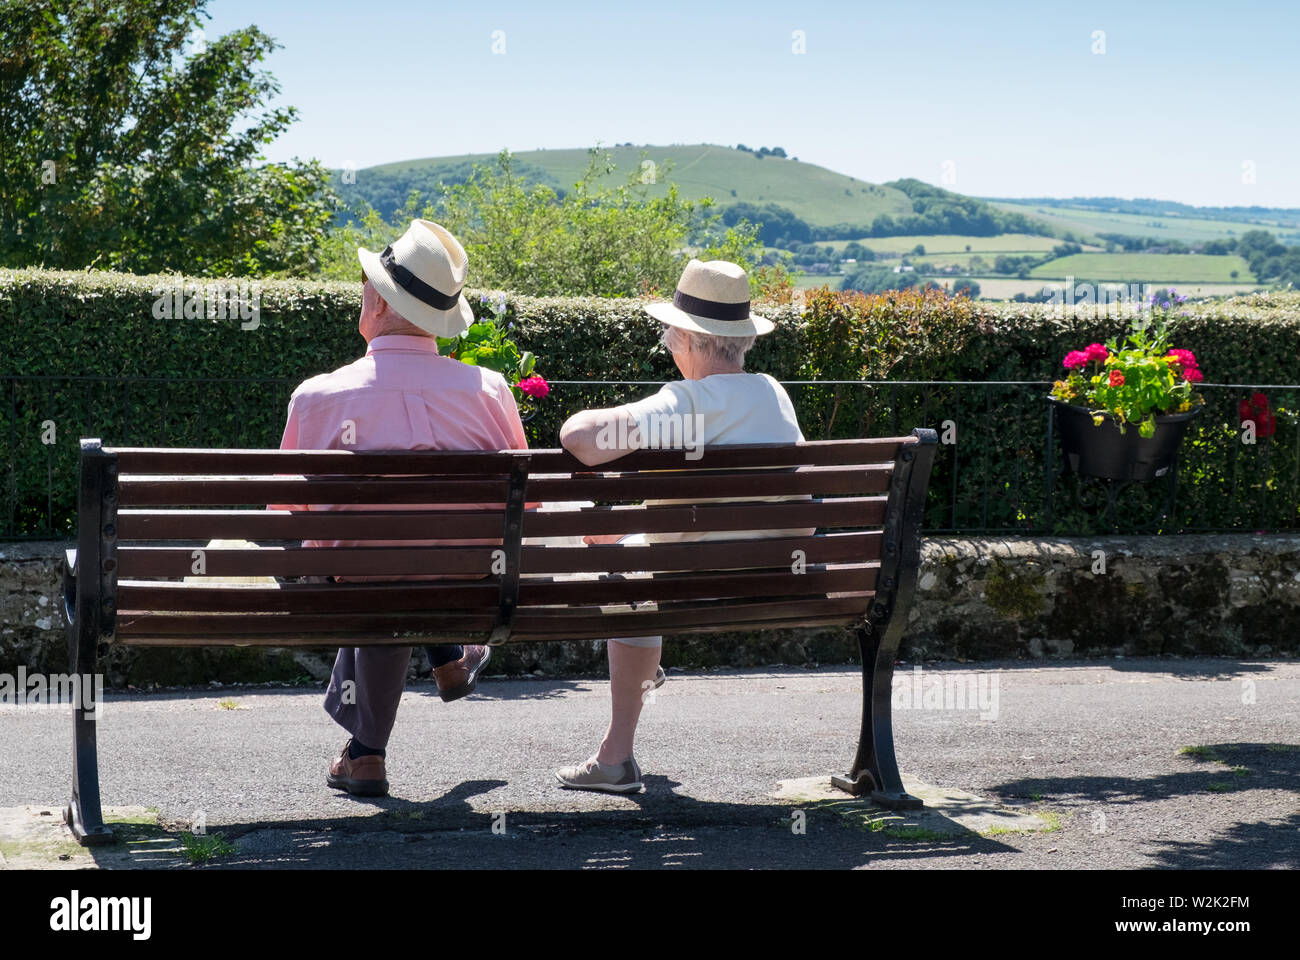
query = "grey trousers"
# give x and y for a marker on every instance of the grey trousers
(365, 688)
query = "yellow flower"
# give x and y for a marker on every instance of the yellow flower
(1097, 418)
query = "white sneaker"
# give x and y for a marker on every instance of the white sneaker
(622, 777)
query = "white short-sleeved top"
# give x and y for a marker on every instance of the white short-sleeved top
(721, 408)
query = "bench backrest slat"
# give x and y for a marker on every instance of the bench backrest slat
(139, 491)
(436, 570)
(291, 561)
(487, 524)
(178, 462)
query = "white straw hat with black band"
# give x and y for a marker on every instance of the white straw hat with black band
(421, 275)
(712, 297)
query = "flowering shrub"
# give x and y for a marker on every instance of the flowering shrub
(1257, 412)
(487, 344)
(1133, 382)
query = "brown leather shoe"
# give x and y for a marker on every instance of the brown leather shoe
(362, 777)
(459, 678)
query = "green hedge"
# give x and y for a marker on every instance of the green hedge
(85, 325)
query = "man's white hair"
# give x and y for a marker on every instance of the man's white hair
(729, 351)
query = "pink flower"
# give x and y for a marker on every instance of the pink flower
(1185, 358)
(534, 386)
(1192, 375)
(1096, 353)
(1075, 360)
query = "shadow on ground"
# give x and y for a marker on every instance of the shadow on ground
(656, 829)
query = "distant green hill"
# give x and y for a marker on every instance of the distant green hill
(817, 195)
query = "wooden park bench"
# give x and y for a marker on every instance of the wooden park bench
(145, 517)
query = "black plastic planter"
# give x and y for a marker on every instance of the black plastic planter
(1102, 451)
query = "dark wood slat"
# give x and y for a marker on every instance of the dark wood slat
(357, 525)
(708, 517)
(683, 618)
(362, 630)
(808, 453)
(309, 525)
(480, 462)
(424, 597)
(344, 638)
(305, 562)
(702, 484)
(198, 461)
(703, 555)
(801, 623)
(432, 560)
(142, 491)
(136, 491)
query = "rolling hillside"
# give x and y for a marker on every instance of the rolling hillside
(815, 194)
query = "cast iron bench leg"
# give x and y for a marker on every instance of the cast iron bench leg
(83, 815)
(875, 770)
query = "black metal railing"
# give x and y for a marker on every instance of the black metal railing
(997, 470)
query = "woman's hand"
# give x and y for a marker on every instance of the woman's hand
(602, 538)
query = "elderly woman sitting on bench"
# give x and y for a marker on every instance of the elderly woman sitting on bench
(708, 327)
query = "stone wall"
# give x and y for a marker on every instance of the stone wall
(1236, 595)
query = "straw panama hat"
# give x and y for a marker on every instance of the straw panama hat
(712, 297)
(421, 275)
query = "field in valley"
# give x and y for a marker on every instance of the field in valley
(1086, 224)
(1155, 267)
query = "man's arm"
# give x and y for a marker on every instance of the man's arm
(289, 441)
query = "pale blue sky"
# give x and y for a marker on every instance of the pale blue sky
(1011, 93)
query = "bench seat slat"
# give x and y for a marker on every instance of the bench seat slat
(396, 629)
(138, 600)
(210, 461)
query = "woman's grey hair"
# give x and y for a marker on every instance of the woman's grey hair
(725, 350)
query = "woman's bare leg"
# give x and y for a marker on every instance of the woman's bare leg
(631, 675)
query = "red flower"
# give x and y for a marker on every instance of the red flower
(534, 386)
(1116, 378)
(1259, 401)
(1075, 360)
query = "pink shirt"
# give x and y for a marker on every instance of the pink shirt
(402, 396)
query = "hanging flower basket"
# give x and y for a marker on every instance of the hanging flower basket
(1104, 450)
(1123, 409)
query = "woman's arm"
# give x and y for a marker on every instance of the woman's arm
(598, 436)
